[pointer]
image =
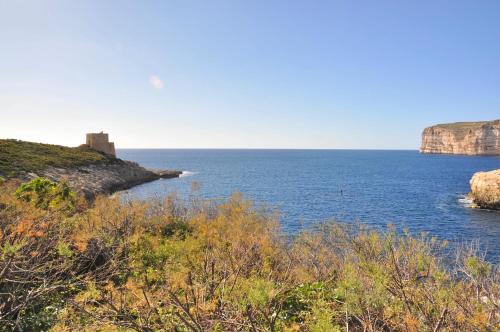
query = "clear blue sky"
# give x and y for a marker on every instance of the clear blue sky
(246, 74)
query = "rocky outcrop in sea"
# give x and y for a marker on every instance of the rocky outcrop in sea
(469, 138)
(485, 189)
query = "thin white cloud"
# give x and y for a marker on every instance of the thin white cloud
(156, 82)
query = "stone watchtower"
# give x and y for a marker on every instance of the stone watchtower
(100, 142)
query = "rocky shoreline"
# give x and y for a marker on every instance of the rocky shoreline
(103, 178)
(485, 190)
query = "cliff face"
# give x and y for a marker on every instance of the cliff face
(485, 189)
(470, 138)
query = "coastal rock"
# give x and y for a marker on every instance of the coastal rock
(485, 189)
(105, 178)
(167, 174)
(469, 138)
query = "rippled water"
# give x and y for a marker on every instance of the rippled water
(405, 188)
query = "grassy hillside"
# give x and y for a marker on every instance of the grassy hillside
(19, 156)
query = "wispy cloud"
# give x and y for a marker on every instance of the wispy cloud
(156, 82)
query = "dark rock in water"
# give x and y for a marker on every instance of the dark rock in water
(166, 174)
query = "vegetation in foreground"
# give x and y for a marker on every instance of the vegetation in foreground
(168, 266)
(20, 156)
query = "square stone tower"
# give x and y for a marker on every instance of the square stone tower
(100, 142)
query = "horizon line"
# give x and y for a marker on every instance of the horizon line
(218, 148)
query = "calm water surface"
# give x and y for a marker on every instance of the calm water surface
(405, 188)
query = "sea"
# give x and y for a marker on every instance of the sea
(406, 189)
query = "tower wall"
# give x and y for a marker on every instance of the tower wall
(100, 142)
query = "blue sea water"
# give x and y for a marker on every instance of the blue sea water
(418, 191)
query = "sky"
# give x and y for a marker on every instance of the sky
(246, 74)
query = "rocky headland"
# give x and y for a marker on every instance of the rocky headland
(104, 178)
(485, 190)
(86, 170)
(468, 138)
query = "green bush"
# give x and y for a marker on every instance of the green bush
(45, 194)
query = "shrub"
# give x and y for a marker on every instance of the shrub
(164, 266)
(43, 259)
(45, 194)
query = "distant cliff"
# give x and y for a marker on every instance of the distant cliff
(88, 171)
(470, 138)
